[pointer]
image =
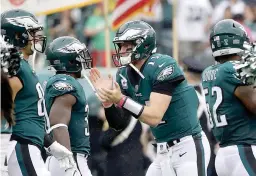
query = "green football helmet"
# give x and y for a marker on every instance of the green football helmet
(228, 37)
(16, 27)
(67, 54)
(141, 35)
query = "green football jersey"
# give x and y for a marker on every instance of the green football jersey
(232, 123)
(78, 127)
(93, 102)
(180, 119)
(29, 108)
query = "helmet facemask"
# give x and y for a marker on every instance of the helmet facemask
(84, 57)
(38, 39)
(139, 51)
(123, 58)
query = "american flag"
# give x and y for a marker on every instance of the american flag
(127, 9)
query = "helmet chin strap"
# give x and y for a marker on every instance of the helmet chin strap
(33, 60)
(137, 70)
(34, 53)
(127, 60)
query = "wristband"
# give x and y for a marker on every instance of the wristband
(132, 106)
(122, 101)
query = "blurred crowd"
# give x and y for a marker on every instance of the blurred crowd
(194, 21)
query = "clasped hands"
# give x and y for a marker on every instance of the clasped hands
(107, 90)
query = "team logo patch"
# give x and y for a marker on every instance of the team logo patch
(60, 85)
(23, 21)
(165, 73)
(123, 82)
(72, 48)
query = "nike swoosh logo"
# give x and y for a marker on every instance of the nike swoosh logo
(182, 154)
(161, 65)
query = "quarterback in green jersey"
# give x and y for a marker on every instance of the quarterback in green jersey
(21, 29)
(66, 103)
(231, 102)
(152, 88)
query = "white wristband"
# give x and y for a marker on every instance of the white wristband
(56, 126)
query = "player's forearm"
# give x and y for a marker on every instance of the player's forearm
(61, 135)
(117, 118)
(146, 114)
(150, 116)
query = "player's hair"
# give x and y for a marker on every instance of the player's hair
(6, 99)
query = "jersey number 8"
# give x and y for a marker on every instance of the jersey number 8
(41, 109)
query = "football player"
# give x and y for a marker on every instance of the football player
(152, 88)
(231, 102)
(66, 103)
(21, 29)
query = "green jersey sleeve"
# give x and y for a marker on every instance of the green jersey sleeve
(167, 69)
(60, 87)
(230, 78)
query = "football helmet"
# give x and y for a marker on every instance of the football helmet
(16, 27)
(228, 37)
(141, 35)
(67, 54)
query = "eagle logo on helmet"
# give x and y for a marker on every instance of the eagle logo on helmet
(72, 48)
(24, 21)
(131, 34)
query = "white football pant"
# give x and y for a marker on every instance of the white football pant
(25, 160)
(236, 160)
(81, 161)
(5, 138)
(190, 156)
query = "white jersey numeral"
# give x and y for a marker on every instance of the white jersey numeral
(219, 120)
(41, 109)
(86, 131)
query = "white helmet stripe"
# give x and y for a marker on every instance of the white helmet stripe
(226, 51)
